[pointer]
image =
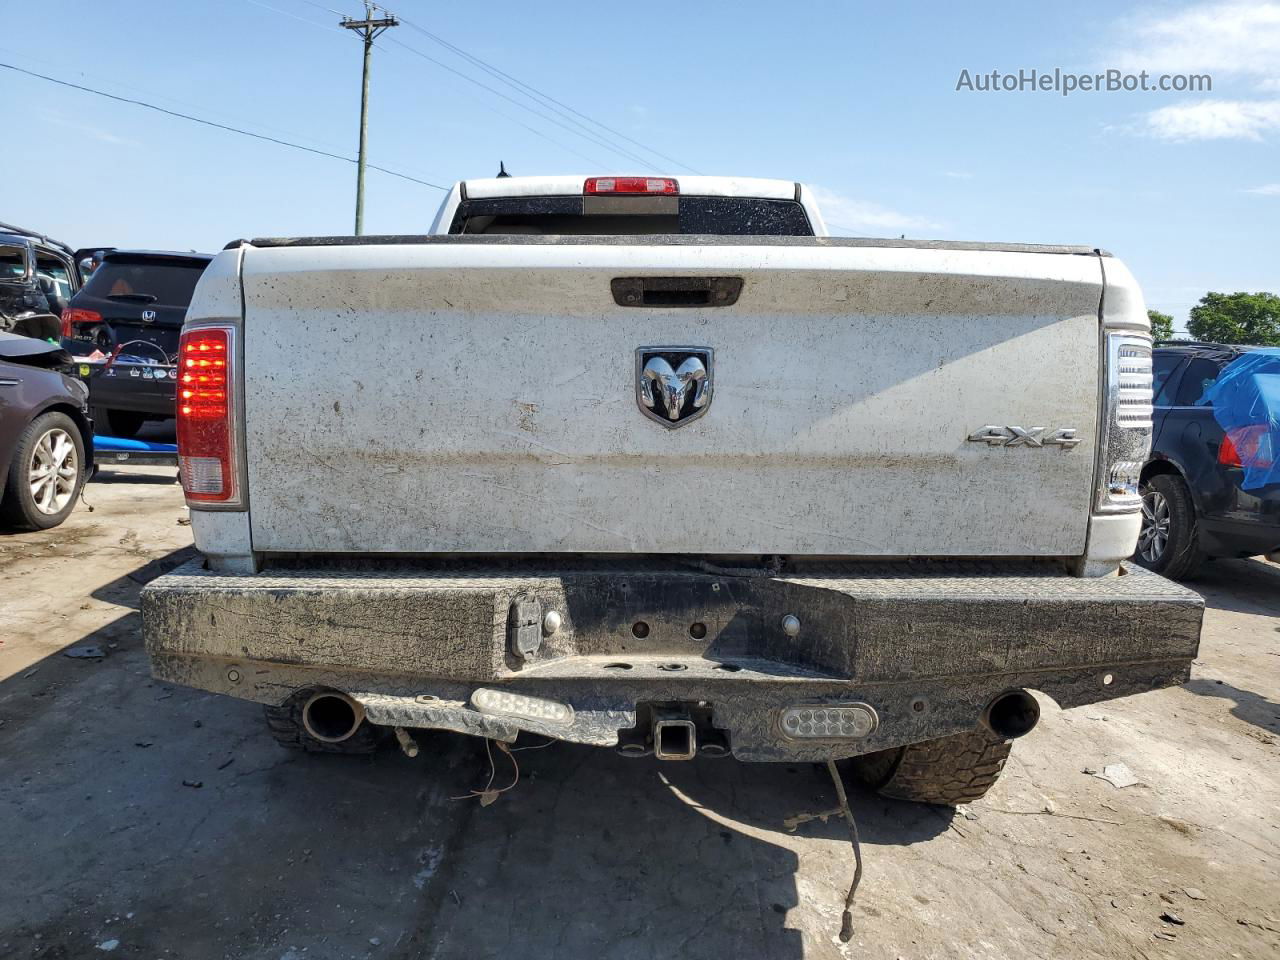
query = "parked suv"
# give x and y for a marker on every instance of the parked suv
(1194, 507)
(130, 311)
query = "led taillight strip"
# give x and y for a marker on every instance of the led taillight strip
(207, 459)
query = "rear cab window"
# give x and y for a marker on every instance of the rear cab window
(169, 282)
(632, 216)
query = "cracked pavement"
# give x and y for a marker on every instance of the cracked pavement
(282, 856)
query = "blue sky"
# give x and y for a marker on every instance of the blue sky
(858, 99)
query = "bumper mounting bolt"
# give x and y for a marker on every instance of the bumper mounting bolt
(551, 622)
(791, 625)
(233, 675)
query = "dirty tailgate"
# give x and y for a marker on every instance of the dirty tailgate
(483, 398)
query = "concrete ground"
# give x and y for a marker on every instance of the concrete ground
(142, 820)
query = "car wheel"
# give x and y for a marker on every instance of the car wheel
(1169, 542)
(46, 474)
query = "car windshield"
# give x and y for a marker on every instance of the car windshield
(170, 283)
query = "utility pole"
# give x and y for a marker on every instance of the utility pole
(369, 30)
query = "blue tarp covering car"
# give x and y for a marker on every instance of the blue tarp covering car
(1246, 404)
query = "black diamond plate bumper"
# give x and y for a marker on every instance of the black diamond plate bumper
(926, 646)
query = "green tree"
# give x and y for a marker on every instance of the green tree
(1237, 318)
(1161, 325)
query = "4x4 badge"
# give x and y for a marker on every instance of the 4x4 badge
(1025, 437)
(673, 384)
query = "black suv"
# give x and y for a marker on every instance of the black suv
(127, 319)
(1193, 505)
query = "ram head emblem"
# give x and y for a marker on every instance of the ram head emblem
(673, 384)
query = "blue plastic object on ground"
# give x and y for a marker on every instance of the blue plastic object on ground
(1246, 404)
(121, 445)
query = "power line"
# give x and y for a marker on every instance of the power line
(532, 92)
(294, 16)
(488, 106)
(499, 93)
(594, 161)
(321, 6)
(523, 106)
(210, 111)
(219, 126)
(545, 101)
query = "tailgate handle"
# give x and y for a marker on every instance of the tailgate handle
(676, 291)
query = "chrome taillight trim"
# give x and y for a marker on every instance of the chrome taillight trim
(235, 399)
(1124, 442)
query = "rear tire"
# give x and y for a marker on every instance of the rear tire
(285, 724)
(1169, 543)
(42, 449)
(951, 770)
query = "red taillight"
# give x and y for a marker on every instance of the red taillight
(73, 317)
(206, 450)
(644, 185)
(1227, 454)
(1247, 446)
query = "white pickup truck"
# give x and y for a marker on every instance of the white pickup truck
(654, 464)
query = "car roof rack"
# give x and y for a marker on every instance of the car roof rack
(23, 231)
(1203, 345)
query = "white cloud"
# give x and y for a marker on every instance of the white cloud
(1238, 39)
(1213, 120)
(958, 174)
(859, 216)
(1232, 39)
(1266, 190)
(95, 133)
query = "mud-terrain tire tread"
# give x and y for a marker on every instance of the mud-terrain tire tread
(285, 724)
(947, 771)
(1182, 557)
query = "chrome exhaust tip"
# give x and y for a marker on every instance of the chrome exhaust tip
(1012, 714)
(331, 716)
(675, 739)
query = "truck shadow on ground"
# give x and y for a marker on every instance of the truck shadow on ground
(1249, 586)
(1242, 586)
(124, 590)
(1249, 707)
(597, 855)
(131, 797)
(160, 816)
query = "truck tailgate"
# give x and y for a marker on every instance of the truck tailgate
(467, 397)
